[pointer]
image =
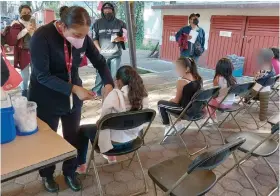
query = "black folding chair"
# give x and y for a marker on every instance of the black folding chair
(180, 176)
(193, 112)
(275, 91)
(254, 99)
(239, 90)
(123, 121)
(257, 146)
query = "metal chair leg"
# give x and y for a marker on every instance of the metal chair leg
(131, 159)
(155, 189)
(274, 172)
(185, 128)
(236, 121)
(145, 181)
(220, 124)
(245, 174)
(247, 109)
(97, 179)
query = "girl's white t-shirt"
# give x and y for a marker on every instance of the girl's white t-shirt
(224, 91)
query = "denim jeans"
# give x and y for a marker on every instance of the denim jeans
(113, 65)
(25, 74)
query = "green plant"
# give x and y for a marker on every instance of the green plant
(139, 20)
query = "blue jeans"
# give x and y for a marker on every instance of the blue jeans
(25, 74)
(113, 65)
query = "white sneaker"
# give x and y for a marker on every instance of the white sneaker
(179, 126)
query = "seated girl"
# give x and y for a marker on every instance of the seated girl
(187, 85)
(260, 90)
(129, 95)
(224, 79)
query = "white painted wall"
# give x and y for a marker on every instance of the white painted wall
(205, 15)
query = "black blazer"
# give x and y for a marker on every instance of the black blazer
(49, 86)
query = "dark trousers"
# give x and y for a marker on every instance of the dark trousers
(164, 106)
(88, 132)
(70, 127)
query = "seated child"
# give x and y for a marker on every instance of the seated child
(187, 85)
(224, 79)
(266, 72)
(129, 95)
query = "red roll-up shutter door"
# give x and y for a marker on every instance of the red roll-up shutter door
(221, 46)
(261, 32)
(171, 24)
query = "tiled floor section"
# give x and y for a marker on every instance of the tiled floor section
(119, 180)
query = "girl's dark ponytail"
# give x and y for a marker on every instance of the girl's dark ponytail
(193, 70)
(136, 89)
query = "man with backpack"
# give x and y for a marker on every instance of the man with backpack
(18, 34)
(188, 47)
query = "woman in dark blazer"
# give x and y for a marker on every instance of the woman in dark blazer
(57, 50)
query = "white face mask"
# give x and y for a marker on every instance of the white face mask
(76, 42)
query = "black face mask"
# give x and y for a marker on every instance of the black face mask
(26, 17)
(109, 16)
(195, 21)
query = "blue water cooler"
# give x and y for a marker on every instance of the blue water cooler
(8, 128)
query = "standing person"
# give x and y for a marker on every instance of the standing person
(105, 39)
(191, 50)
(22, 59)
(55, 85)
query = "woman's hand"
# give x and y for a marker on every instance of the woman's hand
(30, 28)
(107, 89)
(83, 93)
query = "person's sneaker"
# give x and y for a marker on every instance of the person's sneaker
(82, 169)
(73, 182)
(50, 185)
(110, 159)
(179, 126)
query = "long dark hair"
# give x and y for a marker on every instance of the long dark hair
(275, 52)
(190, 63)
(136, 89)
(75, 15)
(224, 68)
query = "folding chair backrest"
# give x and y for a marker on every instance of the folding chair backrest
(211, 159)
(271, 81)
(275, 128)
(202, 97)
(206, 94)
(126, 120)
(241, 89)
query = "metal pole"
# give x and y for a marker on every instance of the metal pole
(131, 43)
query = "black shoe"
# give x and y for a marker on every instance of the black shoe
(73, 182)
(50, 185)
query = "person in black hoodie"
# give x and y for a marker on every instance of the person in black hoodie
(107, 37)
